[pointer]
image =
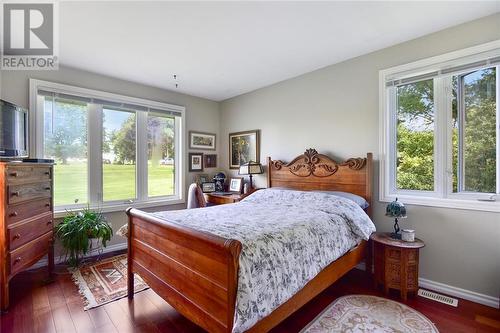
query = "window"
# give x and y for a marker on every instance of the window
(440, 130)
(415, 136)
(111, 151)
(65, 132)
(161, 152)
(118, 155)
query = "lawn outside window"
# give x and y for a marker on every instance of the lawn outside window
(440, 130)
(111, 151)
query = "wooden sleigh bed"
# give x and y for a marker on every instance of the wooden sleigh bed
(197, 272)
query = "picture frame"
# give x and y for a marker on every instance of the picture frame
(208, 187)
(195, 162)
(236, 184)
(243, 148)
(202, 140)
(210, 160)
(202, 178)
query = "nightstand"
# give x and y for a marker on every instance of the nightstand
(396, 263)
(222, 199)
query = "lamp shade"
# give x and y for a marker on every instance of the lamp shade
(250, 168)
(395, 209)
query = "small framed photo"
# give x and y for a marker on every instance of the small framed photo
(210, 160)
(201, 140)
(195, 161)
(236, 184)
(201, 178)
(208, 187)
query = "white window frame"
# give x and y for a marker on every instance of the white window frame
(442, 196)
(94, 120)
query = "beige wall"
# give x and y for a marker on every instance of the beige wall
(335, 110)
(201, 114)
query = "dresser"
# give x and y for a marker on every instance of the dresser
(26, 220)
(396, 263)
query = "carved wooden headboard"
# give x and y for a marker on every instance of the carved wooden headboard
(314, 171)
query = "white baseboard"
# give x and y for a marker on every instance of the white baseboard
(459, 292)
(59, 259)
(453, 291)
(424, 283)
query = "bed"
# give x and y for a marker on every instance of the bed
(195, 266)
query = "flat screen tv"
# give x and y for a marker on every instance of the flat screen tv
(13, 130)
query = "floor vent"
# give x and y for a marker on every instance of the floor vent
(438, 297)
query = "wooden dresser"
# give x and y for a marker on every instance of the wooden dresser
(26, 220)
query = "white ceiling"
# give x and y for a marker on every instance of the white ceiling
(223, 49)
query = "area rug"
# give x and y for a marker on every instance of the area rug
(363, 313)
(104, 281)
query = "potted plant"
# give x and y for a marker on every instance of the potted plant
(78, 229)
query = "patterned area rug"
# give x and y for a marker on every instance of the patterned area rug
(104, 281)
(362, 313)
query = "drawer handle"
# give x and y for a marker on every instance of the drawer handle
(49, 222)
(16, 236)
(47, 188)
(17, 260)
(47, 173)
(47, 205)
(14, 214)
(14, 174)
(15, 194)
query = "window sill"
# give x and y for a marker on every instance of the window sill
(486, 206)
(121, 207)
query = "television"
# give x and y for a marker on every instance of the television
(13, 130)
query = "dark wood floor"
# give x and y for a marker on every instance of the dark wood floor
(58, 307)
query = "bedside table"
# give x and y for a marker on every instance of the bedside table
(396, 263)
(221, 199)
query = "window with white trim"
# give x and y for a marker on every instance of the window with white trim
(440, 131)
(111, 151)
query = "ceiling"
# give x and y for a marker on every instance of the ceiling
(223, 49)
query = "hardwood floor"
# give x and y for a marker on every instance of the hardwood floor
(58, 307)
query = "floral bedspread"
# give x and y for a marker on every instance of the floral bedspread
(287, 238)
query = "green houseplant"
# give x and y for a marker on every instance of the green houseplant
(77, 230)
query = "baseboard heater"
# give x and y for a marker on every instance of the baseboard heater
(438, 297)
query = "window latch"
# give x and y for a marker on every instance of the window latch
(491, 198)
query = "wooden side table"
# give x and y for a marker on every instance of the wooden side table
(221, 199)
(396, 263)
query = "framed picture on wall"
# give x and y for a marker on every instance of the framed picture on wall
(210, 160)
(195, 162)
(243, 148)
(201, 140)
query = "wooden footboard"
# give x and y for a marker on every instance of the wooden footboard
(195, 272)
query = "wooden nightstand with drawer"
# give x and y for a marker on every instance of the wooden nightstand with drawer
(26, 220)
(396, 263)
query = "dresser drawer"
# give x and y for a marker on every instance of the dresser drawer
(25, 174)
(24, 192)
(22, 211)
(23, 233)
(29, 253)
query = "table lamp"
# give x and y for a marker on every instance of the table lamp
(397, 210)
(250, 168)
